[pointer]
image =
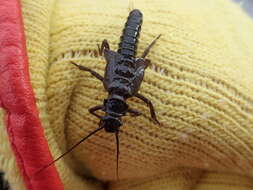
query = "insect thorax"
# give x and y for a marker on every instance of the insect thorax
(115, 105)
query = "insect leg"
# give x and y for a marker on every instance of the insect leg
(104, 45)
(142, 63)
(151, 107)
(130, 6)
(93, 109)
(134, 112)
(83, 68)
(146, 51)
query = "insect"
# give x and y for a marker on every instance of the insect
(122, 79)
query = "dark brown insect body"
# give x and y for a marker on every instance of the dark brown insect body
(122, 79)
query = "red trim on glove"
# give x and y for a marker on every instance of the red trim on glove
(17, 98)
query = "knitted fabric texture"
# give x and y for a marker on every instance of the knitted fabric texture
(200, 82)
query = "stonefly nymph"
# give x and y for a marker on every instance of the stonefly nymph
(122, 79)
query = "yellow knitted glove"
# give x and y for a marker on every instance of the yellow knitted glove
(200, 82)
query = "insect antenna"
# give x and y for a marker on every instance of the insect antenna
(69, 150)
(117, 142)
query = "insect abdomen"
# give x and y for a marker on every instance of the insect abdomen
(129, 37)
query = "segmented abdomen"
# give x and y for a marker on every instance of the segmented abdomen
(129, 37)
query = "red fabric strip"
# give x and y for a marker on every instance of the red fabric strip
(17, 98)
